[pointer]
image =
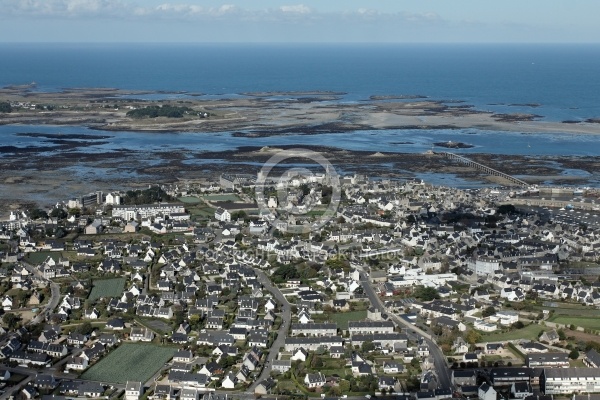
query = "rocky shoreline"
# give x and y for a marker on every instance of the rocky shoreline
(265, 113)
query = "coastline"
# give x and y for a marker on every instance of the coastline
(59, 164)
(265, 114)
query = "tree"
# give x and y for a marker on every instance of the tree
(488, 311)
(59, 213)
(574, 354)
(227, 362)
(85, 329)
(367, 346)
(285, 273)
(507, 209)
(473, 337)
(518, 325)
(317, 362)
(5, 107)
(561, 334)
(37, 213)
(10, 320)
(426, 293)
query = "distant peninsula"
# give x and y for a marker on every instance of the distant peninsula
(259, 114)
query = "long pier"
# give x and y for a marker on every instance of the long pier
(486, 169)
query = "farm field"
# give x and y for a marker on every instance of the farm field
(569, 309)
(221, 197)
(581, 321)
(107, 288)
(342, 318)
(529, 332)
(189, 200)
(130, 362)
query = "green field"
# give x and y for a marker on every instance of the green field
(39, 257)
(130, 362)
(530, 332)
(221, 197)
(584, 322)
(342, 318)
(107, 288)
(569, 309)
(201, 211)
(189, 200)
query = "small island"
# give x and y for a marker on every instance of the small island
(453, 145)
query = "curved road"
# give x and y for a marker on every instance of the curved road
(54, 294)
(441, 367)
(286, 315)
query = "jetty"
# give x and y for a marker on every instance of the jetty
(490, 171)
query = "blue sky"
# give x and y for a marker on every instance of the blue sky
(300, 21)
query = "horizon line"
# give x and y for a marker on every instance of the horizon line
(297, 43)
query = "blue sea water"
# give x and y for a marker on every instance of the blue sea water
(562, 78)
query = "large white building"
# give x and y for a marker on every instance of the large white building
(483, 266)
(146, 210)
(222, 215)
(570, 380)
(113, 198)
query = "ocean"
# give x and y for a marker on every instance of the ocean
(558, 82)
(563, 79)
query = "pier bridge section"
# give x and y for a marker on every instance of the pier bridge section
(490, 171)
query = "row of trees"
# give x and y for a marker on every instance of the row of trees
(5, 107)
(147, 196)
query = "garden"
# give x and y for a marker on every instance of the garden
(130, 362)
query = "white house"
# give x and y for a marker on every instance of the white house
(7, 303)
(77, 364)
(299, 354)
(505, 318)
(314, 380)
(229, 381)
(222, 215)
(93, 314)
(486, 392)
(481, 325)
(133, 390)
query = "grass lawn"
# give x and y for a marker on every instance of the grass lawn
(156, 325)
(341, 372)
(577, 364)
(286, 385)
(569, 309)
(529, 332)
(201, 211)
(342, 318)
(333, 363)
(107, 288)
(584, 322)
(39, 257)
(189, 200)
(221, 197)
(130, 362)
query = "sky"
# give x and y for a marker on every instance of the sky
(286, 21)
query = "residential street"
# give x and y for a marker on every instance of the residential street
(441, 367)
(286, 315)
(54, 291)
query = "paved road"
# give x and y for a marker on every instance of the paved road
(54, 294)
(441, 367)
(12, 391)
(286, 315)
